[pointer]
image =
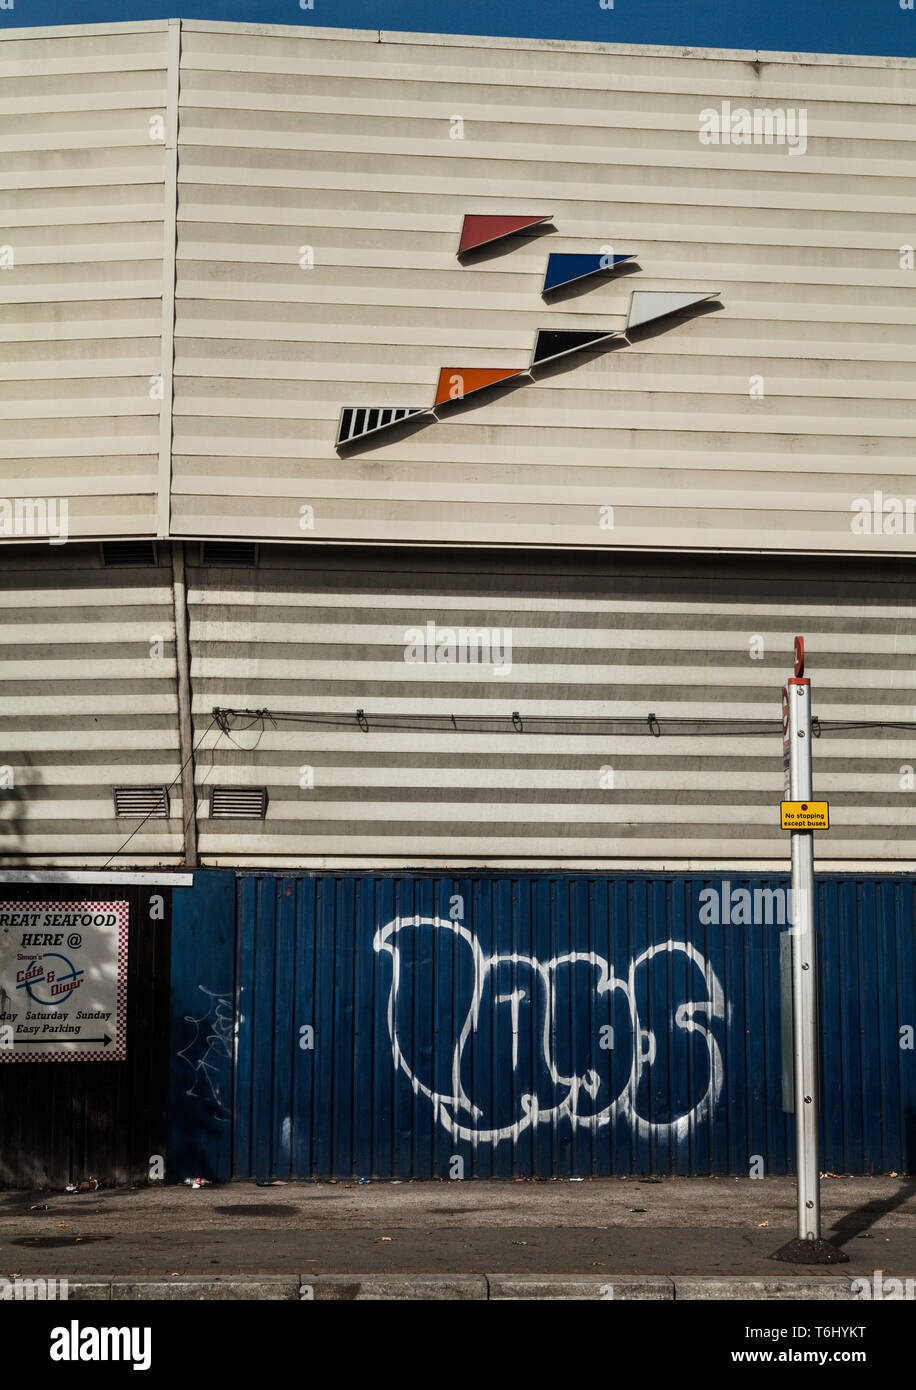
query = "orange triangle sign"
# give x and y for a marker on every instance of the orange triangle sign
(456, 383)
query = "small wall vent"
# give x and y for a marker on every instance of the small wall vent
(128, 553)
(142, 802)
(234, 554)
(238, 803)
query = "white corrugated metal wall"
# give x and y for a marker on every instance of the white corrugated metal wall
(88, 702)
(341, 142)
(82, 189)
(323, 633)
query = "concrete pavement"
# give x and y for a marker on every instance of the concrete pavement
(671, 1238)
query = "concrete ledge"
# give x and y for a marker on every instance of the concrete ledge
(765, 1287)
(348, 1287)
(579, 1286)
(450, 1287)
(202, 1287)
(86, 1288)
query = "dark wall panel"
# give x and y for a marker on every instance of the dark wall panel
(62, 1122)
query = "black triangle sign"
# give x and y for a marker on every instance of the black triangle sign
(553, 343)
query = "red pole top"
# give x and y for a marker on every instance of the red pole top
(799, 656)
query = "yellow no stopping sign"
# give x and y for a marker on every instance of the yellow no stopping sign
(805, 815)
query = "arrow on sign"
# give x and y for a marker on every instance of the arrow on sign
(32, 1041)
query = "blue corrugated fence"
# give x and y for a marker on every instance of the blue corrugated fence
(502, 1025)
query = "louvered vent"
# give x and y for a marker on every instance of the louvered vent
(132, 553)
(151, 802)
(239, 554)
(238, 803)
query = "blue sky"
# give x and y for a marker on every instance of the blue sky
(807, 26)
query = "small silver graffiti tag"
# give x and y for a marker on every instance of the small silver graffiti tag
(209, 1052)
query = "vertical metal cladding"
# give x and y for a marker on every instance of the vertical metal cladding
(413, 1025)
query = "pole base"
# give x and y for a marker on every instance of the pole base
(810, 1252)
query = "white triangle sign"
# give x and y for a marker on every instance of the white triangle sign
(647, 305)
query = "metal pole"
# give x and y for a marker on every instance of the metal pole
(185, 722)
(804, 969)
(808, 1247)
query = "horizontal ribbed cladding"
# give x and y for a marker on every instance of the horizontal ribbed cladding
(592, 638)
(81, 305)
(88, 703)
(340, 143)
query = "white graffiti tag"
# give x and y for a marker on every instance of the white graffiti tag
(455, 1109)
(209, 1052)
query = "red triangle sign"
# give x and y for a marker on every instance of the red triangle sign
(479, 231)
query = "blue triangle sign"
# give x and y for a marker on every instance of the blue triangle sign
(563, 268)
